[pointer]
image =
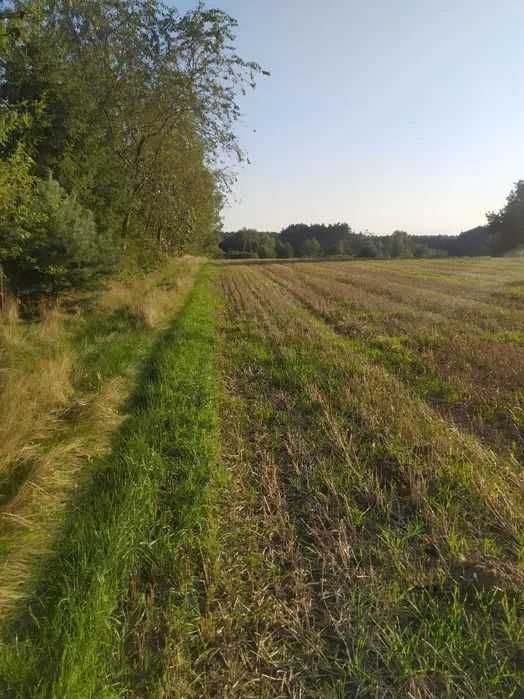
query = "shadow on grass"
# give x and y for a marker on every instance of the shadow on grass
(100, 479)
(59, 644)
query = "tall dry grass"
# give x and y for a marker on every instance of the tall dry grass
(152, 297)
(42, 450)
(50, 430)
(35, 384)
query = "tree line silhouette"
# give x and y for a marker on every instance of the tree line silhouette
(502, 235)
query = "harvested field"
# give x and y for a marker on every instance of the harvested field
(318, 493)
(377, 463)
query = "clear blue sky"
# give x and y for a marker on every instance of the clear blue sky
(383, 113)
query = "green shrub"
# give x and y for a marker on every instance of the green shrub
(57, 247)
(266, 249)
(17, 185)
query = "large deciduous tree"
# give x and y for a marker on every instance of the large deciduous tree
(131, 106)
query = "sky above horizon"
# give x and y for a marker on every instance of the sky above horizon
(386, 115)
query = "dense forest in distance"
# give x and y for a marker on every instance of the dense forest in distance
(319, 240)
(502, 235)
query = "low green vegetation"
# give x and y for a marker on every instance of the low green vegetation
(141, 505)
(516, 336)
(65, 382)
(315, 492)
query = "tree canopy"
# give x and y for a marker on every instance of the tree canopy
(130, 107)
(506, 226)
(249, 243)
(331, 239)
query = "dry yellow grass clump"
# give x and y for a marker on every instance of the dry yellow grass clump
(152, 297)
(35, 383)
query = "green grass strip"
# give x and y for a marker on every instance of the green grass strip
(63, 648)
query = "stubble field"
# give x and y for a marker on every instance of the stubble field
(379, 476)
(319, 493)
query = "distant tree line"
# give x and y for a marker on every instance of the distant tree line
(503, 235)
(116, 134)
(298, 240)
(319, 240)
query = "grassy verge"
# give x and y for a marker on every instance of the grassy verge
(163, 611)
(63, 645)
(64, 382)
(349, 540)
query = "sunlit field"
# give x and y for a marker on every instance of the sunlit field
(375, 444)
(317, 492)
(261, 429)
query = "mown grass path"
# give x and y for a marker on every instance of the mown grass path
(65, 645)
